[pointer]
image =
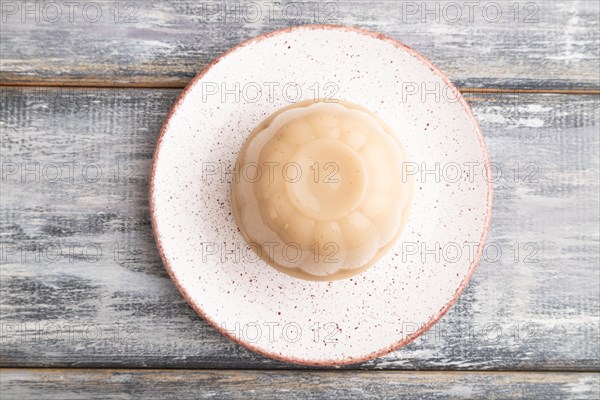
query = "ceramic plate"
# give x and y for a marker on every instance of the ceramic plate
(300, 321)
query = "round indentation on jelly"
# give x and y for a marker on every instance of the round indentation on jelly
(332, 182)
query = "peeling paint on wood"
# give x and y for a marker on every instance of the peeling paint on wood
(504, 43)
(536, 308)
(176, 384)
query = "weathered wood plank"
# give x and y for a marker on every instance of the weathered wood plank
(77, 307)
(289, 385)
(504, 43)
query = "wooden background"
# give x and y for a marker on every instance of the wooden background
(82, 102)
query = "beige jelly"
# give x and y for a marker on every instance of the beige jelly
(318, 190)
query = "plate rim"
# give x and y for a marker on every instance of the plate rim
(432, 320)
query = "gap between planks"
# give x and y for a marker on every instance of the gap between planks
(291, 368)
(490, 90)
(42, 369)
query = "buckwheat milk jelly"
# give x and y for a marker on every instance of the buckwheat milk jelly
(318, 190)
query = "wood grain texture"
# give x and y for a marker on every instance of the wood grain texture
(538, 45)
(538, 309)
(289, 385)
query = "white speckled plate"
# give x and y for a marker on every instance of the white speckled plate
(306, 322)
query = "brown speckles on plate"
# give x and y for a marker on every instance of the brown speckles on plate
(364, 315)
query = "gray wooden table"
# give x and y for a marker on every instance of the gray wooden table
(87, 309)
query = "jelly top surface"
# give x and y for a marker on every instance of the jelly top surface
(319, 191)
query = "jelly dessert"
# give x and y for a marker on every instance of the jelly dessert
(318, 190)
